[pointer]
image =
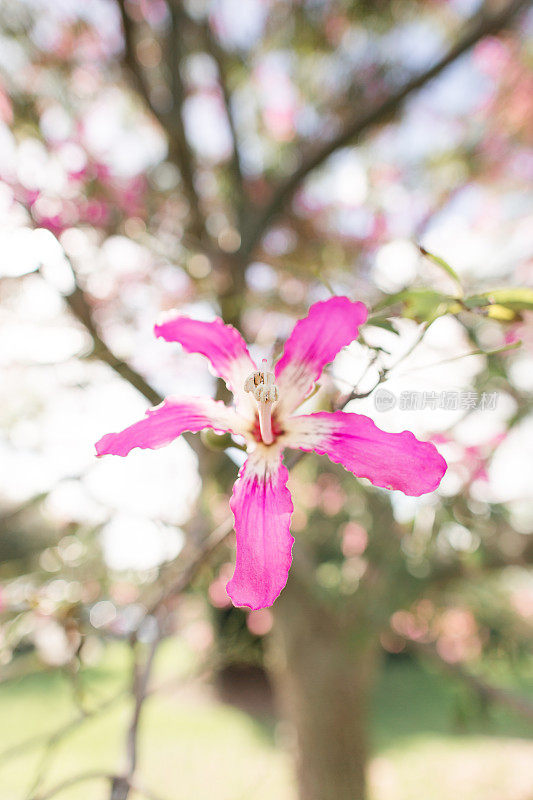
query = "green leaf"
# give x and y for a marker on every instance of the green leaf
(421, 304)
(382, 322)
(440, 262)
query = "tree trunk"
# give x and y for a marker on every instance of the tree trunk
(324, 667)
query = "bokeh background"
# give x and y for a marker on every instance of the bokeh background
(245, 159)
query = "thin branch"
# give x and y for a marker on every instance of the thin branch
(385, 371)
(171, 121)
(296, 456)
(361, 123)
(140, 788)
(73, 781)
(518, 703)
(220, 58)
(122, 784)
(179, 149)
(42, 768)
(187, 571)
(55, 738)
(80, 306)
(192, 568)
(141, 676)
(136, 73)
(83, 777)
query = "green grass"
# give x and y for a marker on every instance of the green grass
(434, 741)
(413, 700)
(431, 742)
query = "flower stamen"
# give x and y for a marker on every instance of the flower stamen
(262, 386)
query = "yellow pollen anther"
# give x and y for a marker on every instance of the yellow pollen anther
(262, 386)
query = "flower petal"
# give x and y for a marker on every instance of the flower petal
(222, 344)
(313, 343)
(262, 506)
(391, 460)
(166, 422)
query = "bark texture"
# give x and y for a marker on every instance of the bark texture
(324, 668)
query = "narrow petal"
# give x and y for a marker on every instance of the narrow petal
(222, 344)
(166, 422)
(262, 506)
(390, 460)
(313, 343)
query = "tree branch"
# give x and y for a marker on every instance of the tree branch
(179, 149)
(361, 123)
(79, 305)
(219, 56)
(136, 73)
(171, 121)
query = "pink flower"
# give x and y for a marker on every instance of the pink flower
(263, 414)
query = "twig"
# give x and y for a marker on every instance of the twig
(191, 569)
(55, 739)
(140, 788)
(141, 675)
(80, 306)
(506, 348)
(385, 371)
(122, 784)
(40, 772)
(59, 734)
(73, 781)
(115, 780)
(361, 123)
